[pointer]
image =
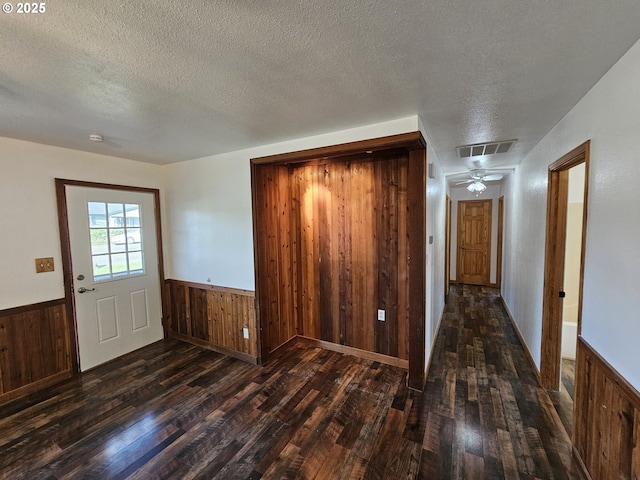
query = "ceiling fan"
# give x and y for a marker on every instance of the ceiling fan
(478, 177)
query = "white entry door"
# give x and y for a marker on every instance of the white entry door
(116, 281)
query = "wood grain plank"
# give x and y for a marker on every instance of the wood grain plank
(605, 417)
(493, 419)
(416, 230)
(324, 239)
(34, 347)
(410, 141)
(635, 455)
(336, 196)
(217, 317)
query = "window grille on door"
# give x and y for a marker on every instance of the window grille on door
(116, 240)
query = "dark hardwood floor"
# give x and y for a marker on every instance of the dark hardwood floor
(563, 399)
(568, 376)
(174, 410)
(484, 412)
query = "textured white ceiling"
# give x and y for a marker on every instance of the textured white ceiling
(167, 80)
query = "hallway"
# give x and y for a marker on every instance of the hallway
(485, 415)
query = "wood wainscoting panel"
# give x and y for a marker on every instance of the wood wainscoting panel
(34, 348)
(606, 418)
(213, 317)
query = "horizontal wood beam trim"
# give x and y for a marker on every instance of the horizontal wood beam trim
(111, 186)
(573, 158)
(35, 386)
(356, 352)
(215, 288)
(525, 347)
(631, 393)
(34, 306)
(245, 357)
(409, 141)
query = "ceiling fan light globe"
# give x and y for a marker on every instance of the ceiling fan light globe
(476, 187)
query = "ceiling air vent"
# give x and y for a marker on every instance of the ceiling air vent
(488, 148)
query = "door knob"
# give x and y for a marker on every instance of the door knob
(83, 290)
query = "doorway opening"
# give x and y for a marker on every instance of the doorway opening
(564, 265)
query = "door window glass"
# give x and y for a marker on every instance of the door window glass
(116, 240)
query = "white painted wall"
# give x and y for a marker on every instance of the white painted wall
(28, 212)
(572, 256)
(207, 217)
(461, 193)
(573, 252)
(610, 117)
(436, 211)
(569, 339)
(576, 184)
(209, 233)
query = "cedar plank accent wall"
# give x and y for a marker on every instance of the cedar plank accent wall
(212, 317)
(336, 238)
(348, 213)
(34, 348)
(606, 418)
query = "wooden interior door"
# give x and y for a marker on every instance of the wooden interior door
(474, 242)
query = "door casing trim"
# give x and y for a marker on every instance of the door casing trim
(556, 230)
(500, 241)
(447, 263)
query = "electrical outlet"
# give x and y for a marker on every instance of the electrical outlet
(44, 265)
(382, 315)
(245, 332)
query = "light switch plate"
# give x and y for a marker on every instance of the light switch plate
(44, 265)
(245, 332)
(382, 315)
